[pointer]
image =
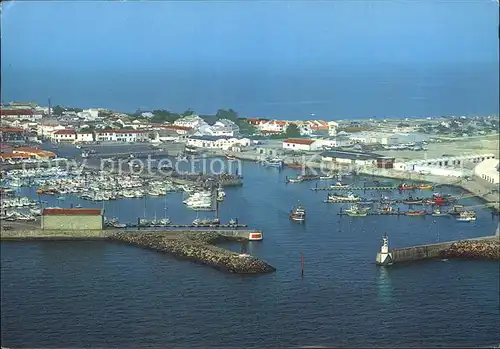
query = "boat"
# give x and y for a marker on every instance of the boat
(339, 185)
(425, 186)
(456, 210)
(293, 180)
(415, 213)
(466, 216)
(274, 162)
(386, 210)
(296, 165)
(85, 154)
(206, 222)
(357, 211)
(438, 213)
(298, 214)
(347, 198)
(327, 177)
(230, 157)
(413, 201)
(406, 186)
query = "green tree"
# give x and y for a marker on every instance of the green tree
(57, 110)
(188, 112)
(292, 130)
(227, 114)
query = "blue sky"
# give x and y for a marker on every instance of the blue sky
(245, 34)
(74, 38)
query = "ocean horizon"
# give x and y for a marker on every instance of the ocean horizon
(338, 92)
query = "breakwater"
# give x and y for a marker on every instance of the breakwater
(444, 249)
(489, 249)
(197, 247)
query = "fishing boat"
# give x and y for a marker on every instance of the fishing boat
(293, 180)
(406, 186)
(466, 216)
(339, 185)
(357, 211)
(413, 201)
(200, 222)
(438, 213)
(327, 177)
(415, 213)
(298, 214)
(425, 187)
(386, 210)
(350, 197)
(296, 165)
(274, 162)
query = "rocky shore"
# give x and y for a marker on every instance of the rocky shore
(474, 250)
(197, 247)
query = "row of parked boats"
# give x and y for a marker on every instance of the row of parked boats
(436, 199)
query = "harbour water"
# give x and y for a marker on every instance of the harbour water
(78, 294)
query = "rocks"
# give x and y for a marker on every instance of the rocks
(197, 247)
(474, 250)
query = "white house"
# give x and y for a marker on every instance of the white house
(128, 136)
(192, 121)
(48, 129)
(333, 142)
(147, 114)
(83, 137)
(225, 128)
(272, 126)
(224, 143)
(332, 128)
(298, 144)
(65, 135)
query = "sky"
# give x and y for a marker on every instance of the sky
(70, 41)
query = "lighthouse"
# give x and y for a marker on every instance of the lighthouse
(384, 257)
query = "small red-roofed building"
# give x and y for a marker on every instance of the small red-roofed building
(65, 135)
(298, 144)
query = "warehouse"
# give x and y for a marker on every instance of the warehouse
(72, 219)
(488, 170)
(350, 157)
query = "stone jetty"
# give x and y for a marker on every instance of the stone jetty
(474, 249)
(197, 247)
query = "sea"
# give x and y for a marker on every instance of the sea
(101, 294)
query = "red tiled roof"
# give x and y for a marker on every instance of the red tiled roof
(16, 112)
(120, 131)
(65, 132)
(177, 127)
(15, 156)
(299, 141)
(34, 151)
(11, 129)
(71, 211)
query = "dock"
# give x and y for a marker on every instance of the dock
(355, 188)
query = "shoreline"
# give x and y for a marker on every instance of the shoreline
(198, 246)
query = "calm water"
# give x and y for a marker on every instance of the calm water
(61, 294)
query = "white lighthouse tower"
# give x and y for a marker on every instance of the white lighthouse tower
(384, 257)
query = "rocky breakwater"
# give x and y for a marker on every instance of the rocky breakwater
(197, 247)
(486, 249)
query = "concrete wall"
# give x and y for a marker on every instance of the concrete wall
(72, 222)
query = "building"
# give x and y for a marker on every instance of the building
(225, 143)
(352, 158)
(224, 127)
(72, 219)
(332, 142)
(298, 144)
(127, 136)
(65, 135)
(34, 153)
(488, 170)
(84, 137)
(21, 114)
(332, 128)
(272, 126)
(455, 161)
(12, 134)
(192, 121)
(46, 129)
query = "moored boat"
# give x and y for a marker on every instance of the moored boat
(425, 186)
(466, 216)
(350, 197)
(406, 186)
(415, 213)
(438, 213)
(357, 211)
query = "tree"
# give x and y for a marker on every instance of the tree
(57, 110)
(227, 114)
(292, 130)
(188, 112)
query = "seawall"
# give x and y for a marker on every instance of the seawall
(197, 245)
(438, 250)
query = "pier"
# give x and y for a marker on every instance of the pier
(355, 188)
(195, 245)
(487, 247)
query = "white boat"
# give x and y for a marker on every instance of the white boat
(347, 198)
(466, 216)
(298, 214)
(324, 178)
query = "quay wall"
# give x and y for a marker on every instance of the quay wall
(429, 251)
